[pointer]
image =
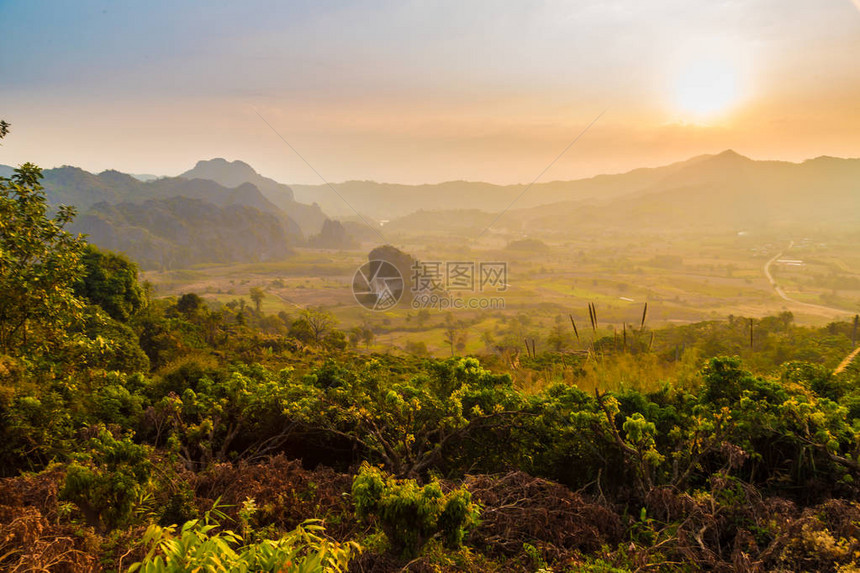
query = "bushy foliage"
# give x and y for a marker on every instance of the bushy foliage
(411, 514)
(107, 478)
(39, 264)
(109, 280)
(108, 344)
(410, 425)
(202, 545)
(206, 412)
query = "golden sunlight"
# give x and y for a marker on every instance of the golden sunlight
(706, 87)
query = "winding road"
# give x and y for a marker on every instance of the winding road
(844, 364)
(826, 310)
(822, 309)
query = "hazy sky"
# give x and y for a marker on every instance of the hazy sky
(420, 91)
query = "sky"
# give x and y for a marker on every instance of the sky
(413, 91)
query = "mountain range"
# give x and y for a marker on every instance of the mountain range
(391, 200)
(172, 222)
(179, 232)
(74, 186)
(309, 217)
(720, 192)
(723, 192)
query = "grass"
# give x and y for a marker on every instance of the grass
(718, 276)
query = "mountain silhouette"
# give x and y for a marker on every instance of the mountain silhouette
(310, 218)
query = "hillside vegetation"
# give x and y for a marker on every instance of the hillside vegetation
(180, 232)
(166, 435)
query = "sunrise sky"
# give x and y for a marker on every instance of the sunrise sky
(417, 91)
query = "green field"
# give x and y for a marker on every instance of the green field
(682, 278)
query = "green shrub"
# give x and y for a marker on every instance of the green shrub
(107, 479)
(410, 515)
(201, 545)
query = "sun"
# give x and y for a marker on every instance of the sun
(706, 88)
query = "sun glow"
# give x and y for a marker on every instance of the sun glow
(706, 88)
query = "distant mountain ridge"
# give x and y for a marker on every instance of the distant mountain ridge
(234, 173)
(309, 217)
(723, 174)
(173, 222)
(74, 186)
(725, 191)
(179, 232)
(226, 222)
(392, 200)
(217, 181)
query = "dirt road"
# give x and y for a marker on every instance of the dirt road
(820, 309)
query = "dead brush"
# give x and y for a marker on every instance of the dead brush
(48, 548)
(733, 528)
(285, 493)
(31, 537)
(39, 490)
(519, 508)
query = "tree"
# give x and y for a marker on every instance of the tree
(455, 334)
(363, 333)
(110, 281)
(300, 329)
(321, 322)
(335, 340)
(367, 335)
(40, 262)
(422, 317)
(190, 305)
(354, 336)
(318, 322)
(416, 348)
(4, 129)
(257, 295)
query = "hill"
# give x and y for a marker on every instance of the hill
(74, 186)
(173, 222)
(310, 218)
(180, 232)
(725, 191)
(390, 200)
(717, 192)
(115, 213)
